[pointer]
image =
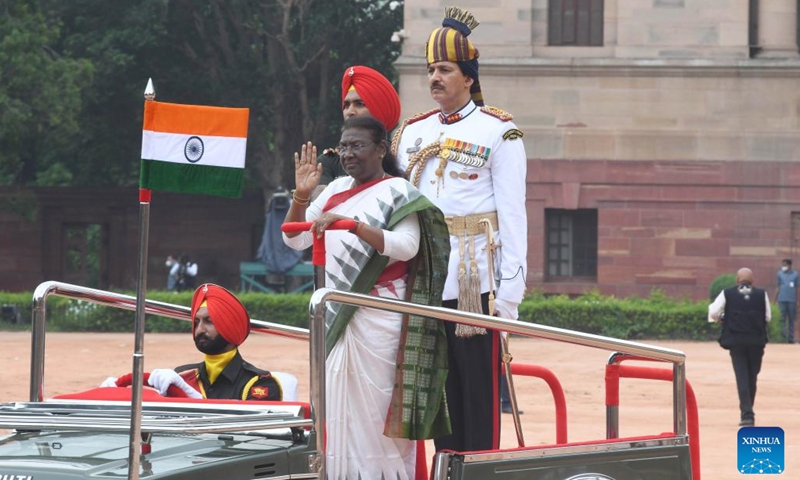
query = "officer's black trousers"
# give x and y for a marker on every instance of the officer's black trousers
(472, 388)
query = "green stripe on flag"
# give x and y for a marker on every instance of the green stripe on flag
(186, 178)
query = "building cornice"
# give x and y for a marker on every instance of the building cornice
(614, 67)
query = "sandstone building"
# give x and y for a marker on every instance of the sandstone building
(662, 136)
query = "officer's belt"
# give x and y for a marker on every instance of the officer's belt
(470, 224)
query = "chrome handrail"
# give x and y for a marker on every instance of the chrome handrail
(114, 416)
(48, 422)
(317, 347)
(117, 300)
(316, 334)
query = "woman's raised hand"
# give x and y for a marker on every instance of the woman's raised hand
(306, 170)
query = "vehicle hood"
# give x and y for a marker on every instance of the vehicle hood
(83, 455)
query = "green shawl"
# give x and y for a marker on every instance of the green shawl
(418, 409)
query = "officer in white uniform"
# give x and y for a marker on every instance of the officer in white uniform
(470, 161)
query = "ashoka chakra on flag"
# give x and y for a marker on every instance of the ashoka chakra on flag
(193, 151)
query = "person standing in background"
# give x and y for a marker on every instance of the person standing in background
(786, 293)
(182, 273)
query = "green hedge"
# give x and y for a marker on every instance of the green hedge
(633, 318)
(657, 317)
(726, 280)
(76, 316)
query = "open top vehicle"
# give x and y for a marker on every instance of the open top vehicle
(86, 435)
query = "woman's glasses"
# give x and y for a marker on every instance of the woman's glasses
(353, 148)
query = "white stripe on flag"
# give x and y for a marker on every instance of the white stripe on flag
(217, 151)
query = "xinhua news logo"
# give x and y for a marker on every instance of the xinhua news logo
(760, 450)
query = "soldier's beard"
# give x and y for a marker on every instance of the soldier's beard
(210, 346)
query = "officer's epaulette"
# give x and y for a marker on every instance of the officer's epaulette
(407, 122)
(419, 116)
(497, 113)
(330, 151)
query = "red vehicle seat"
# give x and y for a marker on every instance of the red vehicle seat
(123, 394)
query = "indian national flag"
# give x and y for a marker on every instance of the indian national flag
(193, 149)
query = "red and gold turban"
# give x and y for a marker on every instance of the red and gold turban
(450, 44)
(376, 91)
(226, 311)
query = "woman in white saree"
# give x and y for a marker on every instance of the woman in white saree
(384, 372)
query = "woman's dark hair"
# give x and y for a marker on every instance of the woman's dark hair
(377, 133)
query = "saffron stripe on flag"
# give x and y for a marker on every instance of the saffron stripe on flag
(188, 178)
(171, 147)
(195, 119)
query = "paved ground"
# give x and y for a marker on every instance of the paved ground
(77, 362)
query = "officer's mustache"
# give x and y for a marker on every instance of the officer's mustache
(437, 85)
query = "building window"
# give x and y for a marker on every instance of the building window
(575, 23)
(571, 242)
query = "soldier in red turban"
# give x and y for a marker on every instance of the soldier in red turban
(231, 319)
(221, 324)
(364, 92)
(363, 87)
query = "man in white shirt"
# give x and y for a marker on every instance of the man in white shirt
(469, 160)
(181, 273)
(744, 312)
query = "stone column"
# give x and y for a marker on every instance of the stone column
(777, 28)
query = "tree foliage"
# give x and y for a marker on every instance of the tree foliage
(281, 58)
(124, 41)
(40, 97)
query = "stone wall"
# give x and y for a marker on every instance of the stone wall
(631, 28)
(672, 96)
(217, 233)
(673, 225)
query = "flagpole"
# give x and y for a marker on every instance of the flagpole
(135, 447)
